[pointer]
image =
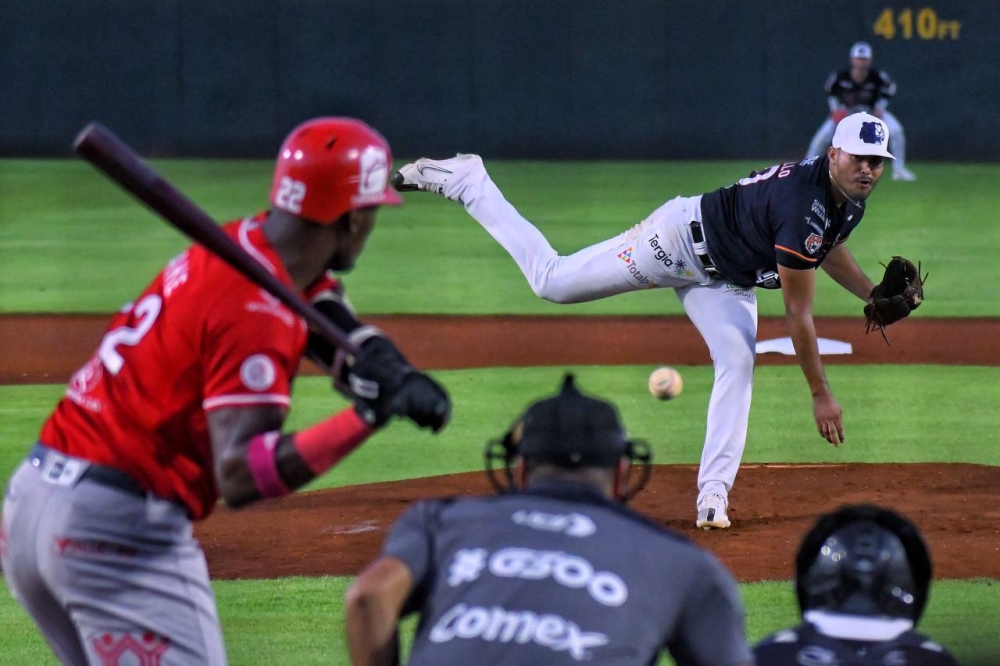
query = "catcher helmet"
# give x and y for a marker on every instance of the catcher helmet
(329, 166)
(864, 560)
(570, 430)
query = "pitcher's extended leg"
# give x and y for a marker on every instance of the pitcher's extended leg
(611, 267)
(726, 317)
(586, 275)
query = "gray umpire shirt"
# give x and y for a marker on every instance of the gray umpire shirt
(561, 575)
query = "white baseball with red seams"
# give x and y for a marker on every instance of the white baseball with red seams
(665, 383)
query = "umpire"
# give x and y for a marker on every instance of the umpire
(554, 570)
(862, 577)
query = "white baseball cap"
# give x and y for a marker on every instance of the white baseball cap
(862, 134)
(861, 50)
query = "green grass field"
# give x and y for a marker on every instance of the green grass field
(299, 621)
(72, 242)
(781, 426)
(309, 611)
(62, 224)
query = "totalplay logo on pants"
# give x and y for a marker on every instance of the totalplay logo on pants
(626, 256)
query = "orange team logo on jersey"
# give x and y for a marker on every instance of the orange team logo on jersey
(813, 243)
(626, 255)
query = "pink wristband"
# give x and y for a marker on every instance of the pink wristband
(325, 444)
(264, 467)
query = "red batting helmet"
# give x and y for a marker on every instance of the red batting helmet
(329, 166)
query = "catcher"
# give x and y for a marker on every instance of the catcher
(900, 292)
(863, 577)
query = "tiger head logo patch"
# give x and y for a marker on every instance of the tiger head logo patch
(813, 243)
(872, 133)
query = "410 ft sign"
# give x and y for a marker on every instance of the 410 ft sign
(924, 24)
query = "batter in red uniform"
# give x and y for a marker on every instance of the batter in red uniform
(184, 401)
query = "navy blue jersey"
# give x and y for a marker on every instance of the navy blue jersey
(561, 575)
(783, 215)
(860, 96)
(805, 646)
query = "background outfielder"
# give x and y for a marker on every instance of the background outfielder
(771, 229)
(861, 88)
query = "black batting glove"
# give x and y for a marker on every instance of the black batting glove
(385, 385)
(423, 401)
(374, 377)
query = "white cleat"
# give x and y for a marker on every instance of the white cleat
(444, 177)
(902, 173)
(712, 512)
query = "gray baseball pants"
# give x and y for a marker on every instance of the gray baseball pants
(108, 576)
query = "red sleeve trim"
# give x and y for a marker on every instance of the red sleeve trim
(800, 256)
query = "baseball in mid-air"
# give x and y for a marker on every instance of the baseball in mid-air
(666, 383)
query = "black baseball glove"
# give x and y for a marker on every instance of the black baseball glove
(900, 292)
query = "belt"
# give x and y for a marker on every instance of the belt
(99, 474)
(701, 249)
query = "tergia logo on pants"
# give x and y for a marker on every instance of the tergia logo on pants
(659, 253)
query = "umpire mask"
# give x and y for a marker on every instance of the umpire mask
(570, 431)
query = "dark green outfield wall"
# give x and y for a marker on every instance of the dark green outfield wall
(517, 78)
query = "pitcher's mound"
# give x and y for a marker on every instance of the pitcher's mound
(337, 531)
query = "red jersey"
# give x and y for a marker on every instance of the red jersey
(200, 337)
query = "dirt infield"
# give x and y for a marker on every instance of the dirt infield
(48, 348)
(336, 531)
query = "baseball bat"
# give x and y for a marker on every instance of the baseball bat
(99, 146)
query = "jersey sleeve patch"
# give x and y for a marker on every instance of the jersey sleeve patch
(245, 354)
(258, 373)
(813, 243)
